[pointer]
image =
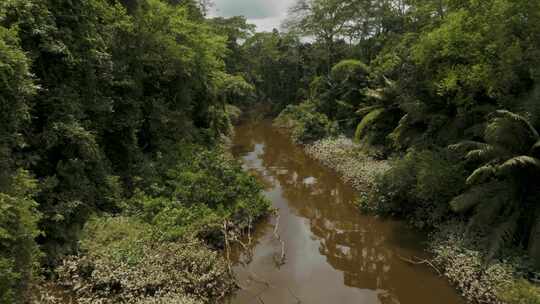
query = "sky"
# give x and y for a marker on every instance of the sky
(265, 14)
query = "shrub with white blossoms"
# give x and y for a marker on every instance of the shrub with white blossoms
(163, 271)
(478, 279)
(346, 157)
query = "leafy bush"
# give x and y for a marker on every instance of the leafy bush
(156, 249)
(193, 191)
(350, 70)
(305, 124)
(121, 238)
(173, 220)
(234, 89)
(419, 187)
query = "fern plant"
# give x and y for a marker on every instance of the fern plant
(503, 189)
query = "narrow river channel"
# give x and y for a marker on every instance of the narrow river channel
(333, 254)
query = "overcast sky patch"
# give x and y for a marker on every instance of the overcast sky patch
(266, 14)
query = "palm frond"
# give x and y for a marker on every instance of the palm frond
(487, 154)
(468, 145)
(366, 122)
(518, 164)
(511, 131)
(481, 175)
(366, 110)
(474, 196)
(521, 120)
(535, 150)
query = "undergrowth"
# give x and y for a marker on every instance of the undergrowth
(419, 188)
(163, 245)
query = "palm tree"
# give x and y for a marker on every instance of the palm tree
(382, 105)
(504, 190)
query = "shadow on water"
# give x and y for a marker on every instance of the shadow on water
(333, 253)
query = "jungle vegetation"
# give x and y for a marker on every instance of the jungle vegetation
(449, 90)
(112, 115)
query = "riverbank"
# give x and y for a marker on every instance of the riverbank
(165, 243)
(456, 256)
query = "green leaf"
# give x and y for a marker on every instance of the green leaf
(518, 165)
(481, 175)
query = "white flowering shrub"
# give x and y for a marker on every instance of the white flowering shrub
(121, 263)
(480, 280)
(346, 158)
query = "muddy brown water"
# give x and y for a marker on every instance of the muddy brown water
(333, 253)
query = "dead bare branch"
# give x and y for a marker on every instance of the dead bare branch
(420, 262)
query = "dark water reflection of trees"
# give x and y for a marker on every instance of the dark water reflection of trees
(364, 249)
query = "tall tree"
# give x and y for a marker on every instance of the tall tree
(326, 21)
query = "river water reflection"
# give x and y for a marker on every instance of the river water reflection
(333, 254)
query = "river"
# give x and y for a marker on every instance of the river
(332, 253)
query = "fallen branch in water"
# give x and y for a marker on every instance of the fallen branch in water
(298, 301)
(420, 262)
(276, 235)
(281, 260)
(255, 278)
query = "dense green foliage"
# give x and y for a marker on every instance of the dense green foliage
(193, 195)
(450, 88)
(18, 229)
(101, 105)
(159, 247)
(305, 123)
(117, 108)
(419, 187)
(441, 69)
